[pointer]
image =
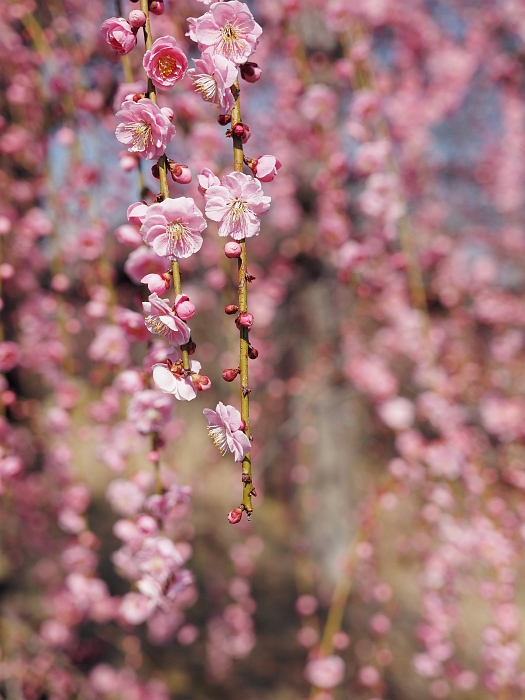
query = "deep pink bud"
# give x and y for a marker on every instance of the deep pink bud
(180, 173)
(229, 374)
(235, 516)
(246, 135)
(238, 129)
(201, 382)
(245, 320)
(250, 72)
(231, 309)
(232, 249)
(155, 171)
(253, 353)
(224, 119)
(184, 308)
(137, 18)
(157, 7)
(242, 425)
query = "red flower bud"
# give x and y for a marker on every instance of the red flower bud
(250, 72)
(235, 516)
(190, 347)
(157, 7)
(253, 353)
(224, 119)
(155, 171)
(179, 173)
(245, 320)
(231, 309)
(246, 135)
(238, 129)
(229, 374)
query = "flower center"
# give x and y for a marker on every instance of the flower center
(141, 134)
(238, 208)
(175, 231)
(155, 325)
(231, 40)
(167, 65)
(218, 435)
(206, 85)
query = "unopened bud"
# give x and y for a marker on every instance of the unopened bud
(231, 309)
(242, 425)
(156, 7)
(238, 129)
(229, 374)
(245, 320)
(232, 250)
(180, 173)
(247, 134)
(201, 382)
(138, 96)
(253, 353)
(235, 516)
(184, 308)
(224, 119)
(137, 18)
(155, 171)
(250, 72)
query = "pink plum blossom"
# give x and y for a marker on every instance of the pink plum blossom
(137, 213)
(325, 672)
(144, 128)
(119, 34)
(224, 428)
(164, 322)
(236, 204)
(157, 283)
(228, 29)
(165, 63)
(144, 261)
(136, 608)
(206, 179)
(171, 378)
(213, 77)
(266, 167)
(128, 235)
(173, 228)
(149, 411)
(183, 307)
(125, 497)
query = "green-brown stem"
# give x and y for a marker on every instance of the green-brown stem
(244, 343)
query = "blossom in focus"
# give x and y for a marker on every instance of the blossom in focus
(228, 30)
(157, 283)
(206, 178)
(236, 203)
(144, 128)
(224, 428)
(266, 167)
(326, 672)
(213, 77)
(164, 322)
(173, 227)
(170, 377)
(165, 63)
(149, 411)
(119, 34)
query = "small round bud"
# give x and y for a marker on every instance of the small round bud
(238, 129)
(137, 18)
(184, 308)
(245, 320)
(180, 173)
(232, 249)
(253, 353)
(229, 374)
(250, 72)
(235, 516)
(155, 171)
(231, 309)
(157, 7)
(224, 119)
(137, 96)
